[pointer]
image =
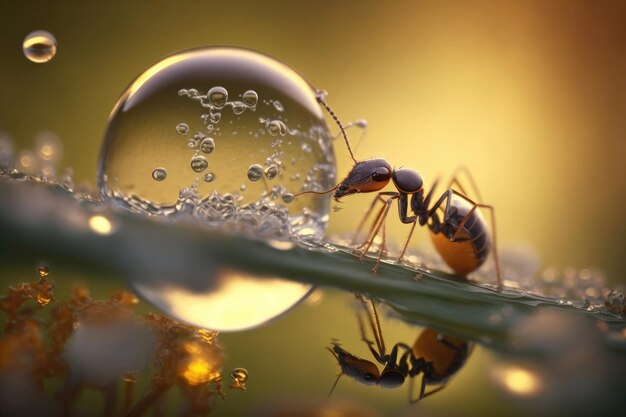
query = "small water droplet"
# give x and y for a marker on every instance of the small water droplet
(277, 127)
(182, 129)
(218, 96)
(271, 172)
(250, 98)
(39, 46)
(242, 187)
(306, 148)
(209, 177)
(239, 374)
(321, 94)
(278, 106)
(199, 163)
(183, 92)
(238, 107)
(207, 145)
(159, 174)
(214, 117)
(288, 197)
(255, 172)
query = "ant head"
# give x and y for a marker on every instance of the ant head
(365, 177)
(360, 370)
(391, 378)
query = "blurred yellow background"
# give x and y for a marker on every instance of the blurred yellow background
(530, 96)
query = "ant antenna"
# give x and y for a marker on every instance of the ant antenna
(332, 389)
(334, 385)
(336, 119)
(318, 192)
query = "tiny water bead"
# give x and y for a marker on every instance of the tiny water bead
(255, 172)
(227, 126)
(182, 129)
(277, 127)
(39, 46)
(199, 163)
(207, 145)
(218, 96)
(250, 98)
(159, 174)
(240, 376)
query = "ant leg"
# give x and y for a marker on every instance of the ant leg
(454, 179)
(379, 222)
(406, 243)
(422, 218)
(369, 343)
(382, 248)
(377, 199)
(374, 322)
(365, 216)
(493, 232)
(412, 389)
(447, 196)
(433, 391)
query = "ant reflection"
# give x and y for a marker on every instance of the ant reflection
(434, 355)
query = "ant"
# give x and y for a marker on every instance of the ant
(434, 355)
(462, 237)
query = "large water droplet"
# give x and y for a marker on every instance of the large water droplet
(39, 46)
(202, 88)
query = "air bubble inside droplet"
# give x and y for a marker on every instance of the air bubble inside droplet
(39, 46)
(271, 172)
(255, 172)
(250, 98)
(199, 163)
(227, 95)
(182, 129)
(277, 127)
(218, 96)
(207, 145)
(159, 174)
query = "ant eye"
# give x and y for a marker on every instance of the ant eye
(381, 174)
(369, 377)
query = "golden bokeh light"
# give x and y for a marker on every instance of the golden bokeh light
(100, 224)
(199, 371)
(517, 380)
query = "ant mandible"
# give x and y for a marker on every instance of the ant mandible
(434, 355)
(462, 237)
